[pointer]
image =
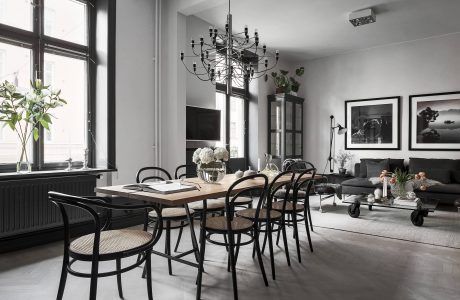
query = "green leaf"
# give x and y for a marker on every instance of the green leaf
(36, 134)
(47, 118)
(299, 72)
(284, 72)
(44, 124)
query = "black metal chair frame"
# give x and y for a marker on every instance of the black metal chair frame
(305, 185)
(267, 225)
(86, 204)
(206, 234)
(163, 175)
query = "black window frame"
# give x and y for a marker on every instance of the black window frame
(39, 43)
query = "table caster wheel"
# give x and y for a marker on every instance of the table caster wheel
(353, 210)
(417, 218)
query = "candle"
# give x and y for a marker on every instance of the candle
(258, 165)
(384, 192)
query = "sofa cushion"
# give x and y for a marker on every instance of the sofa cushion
(441, 175)
(394, 163)
(374, 169)
(452, 188)
(425, 164)
(360, 182)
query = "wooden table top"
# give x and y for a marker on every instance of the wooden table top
(207, 190)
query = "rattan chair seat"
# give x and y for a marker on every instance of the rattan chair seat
(220, 224)
(112, 241)
(289, 206)
(240, 200)
(172, 213)
(282, 193)
(211, 204)
(250, 213)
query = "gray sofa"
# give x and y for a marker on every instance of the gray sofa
(446, 171)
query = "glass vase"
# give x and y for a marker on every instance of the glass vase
(212, 172)
(23, 164)
(400, 189)
(270, 168)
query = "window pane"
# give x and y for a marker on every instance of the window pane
(236, 127)
(15, 66)
(67, 136)
(66, 20)
(16, 13)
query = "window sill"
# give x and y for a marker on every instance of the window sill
(51, 173)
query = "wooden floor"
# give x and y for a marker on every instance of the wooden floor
(344, 266)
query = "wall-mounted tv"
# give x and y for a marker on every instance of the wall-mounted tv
(203, 124)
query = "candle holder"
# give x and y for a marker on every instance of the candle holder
(85, 160)
(69, 164)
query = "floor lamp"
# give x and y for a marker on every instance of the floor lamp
(340, 130)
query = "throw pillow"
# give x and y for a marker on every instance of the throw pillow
(441, 175)
(363, 166)
(374, 169)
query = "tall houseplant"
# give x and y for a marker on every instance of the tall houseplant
(24, 112)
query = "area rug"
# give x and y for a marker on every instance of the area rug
(441, 228)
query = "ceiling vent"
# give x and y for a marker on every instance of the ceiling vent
(362, 17)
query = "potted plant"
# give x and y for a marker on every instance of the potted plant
(25, 112)
(342, 158)
(295, 85)
(284, 83)
(281, 81)
(211, 163)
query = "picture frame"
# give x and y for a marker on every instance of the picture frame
(434, 122)
(373, 124)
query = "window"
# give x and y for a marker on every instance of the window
(17, 13)
(233, 118)
(62, 56)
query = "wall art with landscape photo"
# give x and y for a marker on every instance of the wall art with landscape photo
(434, 121)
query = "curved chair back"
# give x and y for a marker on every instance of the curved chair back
(297, 165)
(304, 181)
(181, 171)
(231, 195)
(161, 174)
(89, 206)
(276, 186)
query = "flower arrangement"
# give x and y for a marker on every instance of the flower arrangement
(400, 177)
(342, 158)
(210, 163)
(24, 113)
(206, 156)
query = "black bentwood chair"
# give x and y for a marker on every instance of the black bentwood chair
(269, 217)
(104, 245)
(170, 215)
(293, 207)
(230, 225)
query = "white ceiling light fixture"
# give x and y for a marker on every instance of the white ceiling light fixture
(242, 57)
(362, 17)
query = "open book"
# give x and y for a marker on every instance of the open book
(161, 187)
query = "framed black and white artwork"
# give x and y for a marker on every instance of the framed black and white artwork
(373, 124)
(434, 121)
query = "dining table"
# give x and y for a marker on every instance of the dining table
(202, 192)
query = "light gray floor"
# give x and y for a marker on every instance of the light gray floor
(344, 266)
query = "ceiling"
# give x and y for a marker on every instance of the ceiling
(309, 29)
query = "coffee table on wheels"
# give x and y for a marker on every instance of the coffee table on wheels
(419, 211)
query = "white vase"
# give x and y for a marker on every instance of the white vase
(378, 193)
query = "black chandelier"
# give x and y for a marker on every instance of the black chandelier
(229, 57)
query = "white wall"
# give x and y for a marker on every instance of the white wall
(134, 87)
(423, 66)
